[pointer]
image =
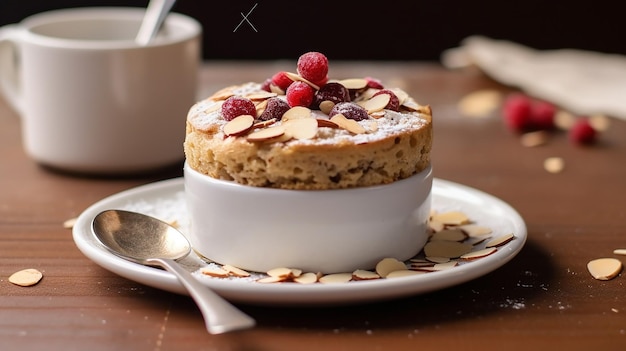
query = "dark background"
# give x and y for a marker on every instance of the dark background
(377, 30)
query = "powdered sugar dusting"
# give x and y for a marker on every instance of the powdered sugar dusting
(203, 115)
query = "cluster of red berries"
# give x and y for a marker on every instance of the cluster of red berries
(524, 114)
(310, 91)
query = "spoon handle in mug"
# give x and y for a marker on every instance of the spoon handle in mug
(219, 315)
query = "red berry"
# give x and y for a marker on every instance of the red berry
(332, 91)
(276, 108)
(266, 85)
(300, 94)
(394, 102)
(236, 106)
(517, 112)
(349, 110)
(543, 115)
(582, 132)
(281, 80)
(374, 83)
(313, 66)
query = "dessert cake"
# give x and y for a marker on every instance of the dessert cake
(305, 131)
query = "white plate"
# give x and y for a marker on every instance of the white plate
(165, 200)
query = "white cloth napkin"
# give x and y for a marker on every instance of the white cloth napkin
(582, 82)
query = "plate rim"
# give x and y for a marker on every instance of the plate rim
(296, 294)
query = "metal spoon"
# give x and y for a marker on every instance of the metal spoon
(156, 12)
(146, 240)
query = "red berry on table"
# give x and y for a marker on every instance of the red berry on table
(276, 108)
(300, 94)
(394, 102)
(236, 106)
(517, 112)
(281, 80)
(313, 66)
(334, 92)
(543, 115)
(349, 110)
(582, 132)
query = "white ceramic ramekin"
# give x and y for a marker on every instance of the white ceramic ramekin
(327, 231)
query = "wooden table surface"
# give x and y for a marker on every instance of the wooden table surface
(543, 299)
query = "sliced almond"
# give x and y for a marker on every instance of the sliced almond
(296, 112)
(266, 134)
(437, 259)
(216, 272)
(564, 120)
(400, 94)
(501, 240)
(281, 272)
(604, 268)
(264, 124)
(378, 114)
(326, 106)
(451, 218)
(554, 164)
(296, 77)
(223, 94)
(403, 273)
(238, 125)
(387, 265)
(536, 138)
(354, 83)
(373, 126)
(478, 253)
(301, 128)
(307, 278)
(260, 107)
(619, 251)
(336, 278)
(445, 265)
(376, 103)
(275, 89)
(600, 123)
(436, 226)
(326, 123)
(348, 124)
(475, 230)
(260, 95)
(450, 235)
(69, 224)
(214, 107)
(270, 279)
(26, 277)
(361, 274)
(480, 103)
(450, 249)
(238, 272)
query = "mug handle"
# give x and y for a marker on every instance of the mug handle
(10, 66)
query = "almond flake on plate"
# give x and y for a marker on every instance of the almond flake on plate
(361, 274)
(450, 249)
(501, 240)
(388, 265)
(336, 278)
(451, 218)
(479, 253)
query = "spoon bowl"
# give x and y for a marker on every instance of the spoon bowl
(146, 240)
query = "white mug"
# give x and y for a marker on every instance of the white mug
(91, 100)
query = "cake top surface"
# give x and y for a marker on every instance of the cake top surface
(292, 109)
